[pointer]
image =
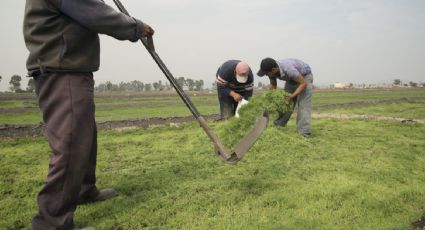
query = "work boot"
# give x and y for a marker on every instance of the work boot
(306, 135)
(280, 122)
(102, 195)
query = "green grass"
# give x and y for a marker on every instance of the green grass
(136, 106)
(14, 104)
(161, 99)
(345, 96)
(349, 175)
(411, 110)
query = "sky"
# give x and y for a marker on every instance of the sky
(351, 41)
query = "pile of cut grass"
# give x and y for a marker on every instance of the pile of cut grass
(273, 101)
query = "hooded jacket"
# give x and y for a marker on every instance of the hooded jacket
(62, 35)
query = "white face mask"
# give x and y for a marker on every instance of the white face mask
(241, 79)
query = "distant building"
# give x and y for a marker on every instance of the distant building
(339, 85)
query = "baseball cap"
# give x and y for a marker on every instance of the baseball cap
(266, 66)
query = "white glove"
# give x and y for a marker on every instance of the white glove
(240, 104)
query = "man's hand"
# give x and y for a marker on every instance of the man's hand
(147, 30)
(287, 99)
(236, 96)
(273, 84)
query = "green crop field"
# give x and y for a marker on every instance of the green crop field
(408, 110)
(351, 174)
(136, 106)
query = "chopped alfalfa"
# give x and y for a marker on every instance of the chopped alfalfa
(234, 129)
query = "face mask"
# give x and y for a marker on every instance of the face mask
(241, 79)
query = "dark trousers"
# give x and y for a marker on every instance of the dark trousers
(304, 107)
(227, 105)
(67, 103)
(283, 118)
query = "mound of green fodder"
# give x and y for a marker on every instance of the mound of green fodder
(231, 131)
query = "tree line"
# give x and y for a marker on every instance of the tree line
(138, 86)
(398, 82)
(135, 86)
(15, 84)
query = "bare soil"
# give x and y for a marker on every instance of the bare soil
(13, 131)
(419, 225)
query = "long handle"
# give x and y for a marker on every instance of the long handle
(148, 43)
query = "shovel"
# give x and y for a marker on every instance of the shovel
(245, 143)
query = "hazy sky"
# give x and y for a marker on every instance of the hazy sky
(370, 41)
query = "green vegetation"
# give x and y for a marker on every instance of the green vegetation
(349, 175)
(409, 110)
(231, 131)
(122, 106)
(345, 96)
(18, 104)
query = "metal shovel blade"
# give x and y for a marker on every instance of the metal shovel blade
(249, 140)
(244, 144)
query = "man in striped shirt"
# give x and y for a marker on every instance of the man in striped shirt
(235, 82)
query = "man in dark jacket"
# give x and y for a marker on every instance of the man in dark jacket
(235, 82)
(63, 43)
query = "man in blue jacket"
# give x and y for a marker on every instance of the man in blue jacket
(235, 82)
(299, 82)
(63, 43)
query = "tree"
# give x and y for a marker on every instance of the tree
(413, 84)
(190, 83)
(108, 86)
(124, 86)
(148, 87)
(15, 83)
(199, 84)
(30, 85)
(155, 86)
(161, 86)
(180, 81)
(168, 86)
(137, 86)
(101, 87)
(397, 82)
